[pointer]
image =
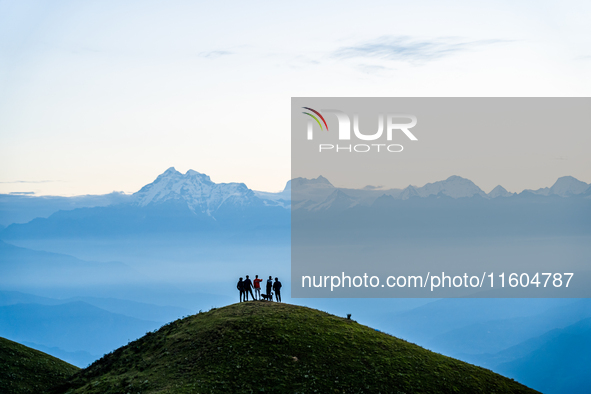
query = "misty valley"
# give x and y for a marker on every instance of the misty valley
(81, 277)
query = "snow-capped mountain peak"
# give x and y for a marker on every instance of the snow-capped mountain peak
(408, 192)
(314, 182)
(337, 200)
(454, 186)
(567, 186)
(194, 188)
(499, 191)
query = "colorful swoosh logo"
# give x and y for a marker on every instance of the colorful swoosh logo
(315, 118)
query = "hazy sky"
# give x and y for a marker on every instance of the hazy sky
(97, 96)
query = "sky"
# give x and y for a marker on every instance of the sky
(103, 96)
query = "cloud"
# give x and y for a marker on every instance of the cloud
(370, 187)
(371, 68)
(215, 54)
(21, 193)
(406, 49)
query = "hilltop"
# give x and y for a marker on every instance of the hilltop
(26, 370)
(263, 346)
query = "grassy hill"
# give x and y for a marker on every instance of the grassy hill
(271, 347)
(26, 370)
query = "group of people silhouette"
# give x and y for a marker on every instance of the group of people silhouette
(245, 286)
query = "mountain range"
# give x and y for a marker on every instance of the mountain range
(313, 194)
(192, 197)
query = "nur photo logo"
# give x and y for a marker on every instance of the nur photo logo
(393, 124)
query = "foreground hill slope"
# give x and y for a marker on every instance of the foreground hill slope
(263, 346)
(26, 370)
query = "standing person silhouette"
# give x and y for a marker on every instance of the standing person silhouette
(240, 287)
(277, 289)
(248, 288)
(257, 287)
(269, 287)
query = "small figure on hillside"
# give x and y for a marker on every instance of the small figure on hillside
(269, 287)
(248, 288)
(240, 287)
(277, 289)
(257, 287)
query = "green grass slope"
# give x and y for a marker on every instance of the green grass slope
(279, 348)
(26, 370)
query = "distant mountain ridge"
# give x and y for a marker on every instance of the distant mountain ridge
(24, 208)
(21, 265)
(202, 196)
(189, 202)
(318, 194)
(106, 330)
(454, 186)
